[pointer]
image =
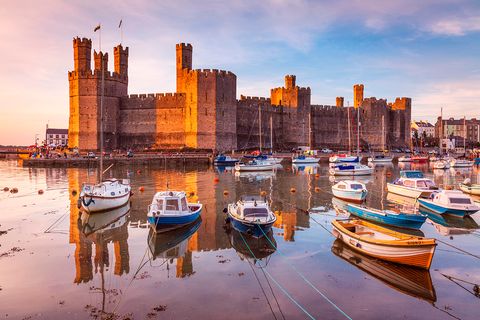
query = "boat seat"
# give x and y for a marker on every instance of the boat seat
(364, 233)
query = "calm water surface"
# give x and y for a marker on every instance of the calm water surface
(56, 262)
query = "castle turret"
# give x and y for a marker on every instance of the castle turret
(339, 101)
(357, 95)
(184, 64)
(82, 54)
(290, 81)
(98, 60)
(120, 57)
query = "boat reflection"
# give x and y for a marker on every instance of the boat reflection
(252, 176)
(252, 248)
(102, 222)
(402, 203)
(412, 281)
(340, 207)
(224, 169)
(447, 225)
(306, 168)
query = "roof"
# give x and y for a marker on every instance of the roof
(57, 131)
(423, 124)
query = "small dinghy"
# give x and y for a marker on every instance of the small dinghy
(339, 158)
(350, 190)
(169, 210)
(380, 158)
(470, 188)
(251, 215)
(107, 195)
(305, 159)
(385, 244)
(255, 165)
(388, 217)
(461, 163)
(452, 202)
(412, 184)
(223, 160)
(441, 165)
(350, 170)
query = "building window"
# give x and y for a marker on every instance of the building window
(56, 136)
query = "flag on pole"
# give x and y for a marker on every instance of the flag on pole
(120, 24)
(96, 28)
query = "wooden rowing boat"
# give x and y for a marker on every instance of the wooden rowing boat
(385, 244)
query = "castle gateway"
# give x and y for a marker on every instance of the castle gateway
(204, 112)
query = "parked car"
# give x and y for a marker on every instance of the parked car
(326, 150)
(91, 155)
(129, 154)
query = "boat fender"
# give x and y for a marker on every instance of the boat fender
(86, 204)
(249, 232)
(225, 210)
(476, 289)
(79, 203)
(358, 245)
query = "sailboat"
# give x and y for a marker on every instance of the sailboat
(304, 159)
(344, 157)
(106, 194)
(381, 158)
(462, 163)
(441, 164)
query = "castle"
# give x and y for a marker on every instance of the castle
(205, 114)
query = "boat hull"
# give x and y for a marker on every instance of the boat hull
(475, 190)
(166, 223)
(414, 254)
(349, 159)
(266, 167)
(225, 162)
(408, 192)
(350, 195)
(97, 204)
(445, 210)
(409, 221)
(253, 229)
(304, 161)
(352, 172)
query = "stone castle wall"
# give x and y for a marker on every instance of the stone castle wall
(205, 114)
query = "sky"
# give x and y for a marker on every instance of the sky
(428, 50)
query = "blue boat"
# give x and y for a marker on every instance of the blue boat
(476, 161)
(452, 202)
(223, 160)
(251, 216)
(402, 220)
(170, 210)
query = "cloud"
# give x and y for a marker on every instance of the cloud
(456, 27)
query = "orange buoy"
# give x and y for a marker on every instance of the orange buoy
(216, 180)
(293, 190)
(389, 174)
(74, 192)
(263, 193)
(191, 193)
(141, 189)
(40, 191)
(14, 190)
(449, 187)
(317, 189)
(225, 192)
(317, 176)
(139, 171)
(6, 189)
(278, 213)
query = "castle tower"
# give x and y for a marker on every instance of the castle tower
(290, 81)
(184, 64)
(97, 57)
(339, 101)
(120, 57)
(357, 95)
(82, 54)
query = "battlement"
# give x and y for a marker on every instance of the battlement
(96, 75)
(402, 103)
(211, 72)
(252, 99)
(168, 95)
(77, 41)
(120, 50)
(184, 45)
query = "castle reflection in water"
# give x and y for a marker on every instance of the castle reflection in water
(96, 239)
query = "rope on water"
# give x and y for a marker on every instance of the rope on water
(457, 248)
(305, 279)
(278, 284)
(263, 291)
(273, 294)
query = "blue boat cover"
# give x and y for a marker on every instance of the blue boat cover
(411, 174)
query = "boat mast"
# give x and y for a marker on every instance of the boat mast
(358, 131)
(260, 127)
(349, 133)
(440, 143)
(271, 132)
(464, 136)
(383, 133)
(310, 130)
(102, 87)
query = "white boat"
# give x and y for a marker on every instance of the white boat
(273, 160)
(412, 184)
(107, 195)
(339, 158)
(255, 165)
(470, 188)
(452, 202)
(170, 210)
(460, 163)
(350, 170)
(305, 159)
(251, 215)
(350, 190)
(383, 243)
(380, 158)
(441, 164)
(405, 159)
(433, 158)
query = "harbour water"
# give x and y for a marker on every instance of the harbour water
(56, 263)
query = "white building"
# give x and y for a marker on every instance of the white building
(424, 126)
(56, 137)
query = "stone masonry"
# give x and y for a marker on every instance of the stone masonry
(204, 112)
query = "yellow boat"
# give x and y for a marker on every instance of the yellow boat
(385, 244)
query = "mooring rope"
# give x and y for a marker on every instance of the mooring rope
(459, 249)
(278, 284)
(305, 279)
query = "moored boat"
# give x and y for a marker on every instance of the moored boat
(412, 184)
(355, 169)
(222, 160)
(350, 190)
(104, 196)
(452, 202)
(405, 159)
(470, 188)
(385, 244)
(420, 159)
(461, 163)
(389, 217)
(170, 210)
(380, 158)
(441, 164)
(251, 215)
(304, 159)
(343, 157)
(254, 165)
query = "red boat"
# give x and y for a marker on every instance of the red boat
(420, 159)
